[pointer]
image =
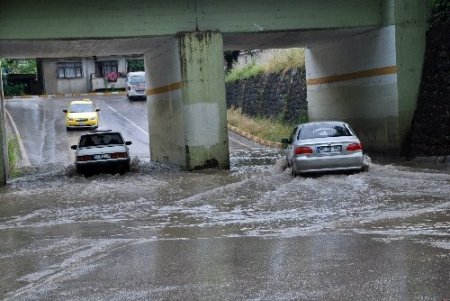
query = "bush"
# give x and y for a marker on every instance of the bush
(13, 154)
(264, 128)
(14, 90)
(269, 61)
(248, 71)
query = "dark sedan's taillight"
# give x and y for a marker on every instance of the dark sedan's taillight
(84, 158)
(119, 155)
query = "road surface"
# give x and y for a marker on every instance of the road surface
(251, 233)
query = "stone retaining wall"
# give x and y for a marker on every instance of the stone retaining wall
(430, 135)
(281, 96)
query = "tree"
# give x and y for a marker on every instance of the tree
(135, 65)
(19, 66)
(231, 57)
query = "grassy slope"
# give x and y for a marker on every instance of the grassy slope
(272, 61)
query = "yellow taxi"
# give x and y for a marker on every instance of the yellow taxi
(82, 114)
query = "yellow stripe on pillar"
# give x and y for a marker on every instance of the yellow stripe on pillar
(165, 89)
(352, 76)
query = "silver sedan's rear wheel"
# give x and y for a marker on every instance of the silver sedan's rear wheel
(288, 162)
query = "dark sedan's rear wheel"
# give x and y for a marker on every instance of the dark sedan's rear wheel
(81, 171)
(124, 169)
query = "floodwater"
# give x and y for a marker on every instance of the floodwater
(251, 233)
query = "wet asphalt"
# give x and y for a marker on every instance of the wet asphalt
(251, 233)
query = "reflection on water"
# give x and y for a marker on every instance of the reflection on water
(253, 232)
(256, 197)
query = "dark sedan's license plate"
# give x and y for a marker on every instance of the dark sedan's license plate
(329, 149)
(102, 156)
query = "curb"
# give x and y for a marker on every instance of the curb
(433, 160)
(254, 138)
(23, 154)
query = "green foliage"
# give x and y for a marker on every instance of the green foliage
(272, 61)
(282, 60)
(440, 10)
(264, 128)
(16, 66)
(13, 155)
(231, 57)
(248, 71)
(19, 66)
(303, 118)
(13, 90)
(135, 65)
(439, 4)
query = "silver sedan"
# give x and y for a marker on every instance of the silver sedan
(324, 146)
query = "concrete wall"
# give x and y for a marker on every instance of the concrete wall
(54, 85)
(49, 73)
(355, 80)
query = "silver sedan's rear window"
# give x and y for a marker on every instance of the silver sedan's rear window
(323, 131)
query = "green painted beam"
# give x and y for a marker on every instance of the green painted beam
(82, 19)
(268, 15)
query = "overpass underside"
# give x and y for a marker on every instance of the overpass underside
(363, 60)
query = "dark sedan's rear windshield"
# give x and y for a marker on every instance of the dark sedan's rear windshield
(323, 131)
(100, 139)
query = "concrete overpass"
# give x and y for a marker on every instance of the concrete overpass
(363, 60)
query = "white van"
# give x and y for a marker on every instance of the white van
(136, 85)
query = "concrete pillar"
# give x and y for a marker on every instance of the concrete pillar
(371, 80)
(355, 80)
(186, 102)
(410, 19)
(4, 165)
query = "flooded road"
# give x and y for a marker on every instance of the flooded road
(251, 233)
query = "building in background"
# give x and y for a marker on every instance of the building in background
(83, 75)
